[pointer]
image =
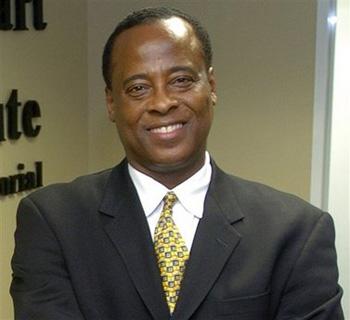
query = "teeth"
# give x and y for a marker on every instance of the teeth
(167, 129)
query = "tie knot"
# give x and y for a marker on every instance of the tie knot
(169, 200)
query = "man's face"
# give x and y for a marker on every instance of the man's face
(161, 97)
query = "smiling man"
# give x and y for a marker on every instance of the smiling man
(161, 93)
(166, 234)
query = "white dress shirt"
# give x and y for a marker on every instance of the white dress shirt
(187, 211)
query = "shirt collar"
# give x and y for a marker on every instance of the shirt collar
(190, 193)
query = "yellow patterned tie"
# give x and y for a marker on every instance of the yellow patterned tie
(171, 251)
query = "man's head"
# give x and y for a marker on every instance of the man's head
(161, 96)
(147, 16)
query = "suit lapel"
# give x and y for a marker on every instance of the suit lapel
(128, 229)
(214, 243)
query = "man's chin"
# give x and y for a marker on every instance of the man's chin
(177, 164)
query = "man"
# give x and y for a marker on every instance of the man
(167, 234)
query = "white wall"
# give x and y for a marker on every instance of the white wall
(264, 62)
(50, 67)
(264, 56)
(264, 59)
(339, 170)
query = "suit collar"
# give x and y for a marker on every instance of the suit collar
(190, 193)
(119, 185)
(127, 227)
(222, 190)
(214, 243)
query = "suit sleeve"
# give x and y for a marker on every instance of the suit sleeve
(312, 290)
(41, 287)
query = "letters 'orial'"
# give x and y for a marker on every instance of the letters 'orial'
(22, 181)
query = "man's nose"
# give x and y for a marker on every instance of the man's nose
(162, 101)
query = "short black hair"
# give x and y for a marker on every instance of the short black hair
(149, 15)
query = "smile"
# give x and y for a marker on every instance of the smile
(167, 129)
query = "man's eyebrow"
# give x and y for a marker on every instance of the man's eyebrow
(143, 76)
(137, 76)
(182, 68)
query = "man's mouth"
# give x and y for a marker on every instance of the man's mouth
(167, 129)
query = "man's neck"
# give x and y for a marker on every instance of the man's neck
(171, 176)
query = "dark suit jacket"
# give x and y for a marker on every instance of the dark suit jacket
(84, 251)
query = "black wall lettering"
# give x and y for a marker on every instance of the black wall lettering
(12, 116)
(4, 186)
(22, 181)
(20, 166)
(30, 180)
(38, 15)
(20, 15)
(39, 174)
(31, 110)
(2, 123)
(5, 15)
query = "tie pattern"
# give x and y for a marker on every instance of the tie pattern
(171, 251)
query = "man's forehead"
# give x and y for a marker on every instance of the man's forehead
(172, 40)
(175, 27)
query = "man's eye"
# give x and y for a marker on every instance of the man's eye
(183, 82)
(137, 90)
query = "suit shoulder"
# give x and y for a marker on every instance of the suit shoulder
(268, 200)
(88, 186)
(278, 213)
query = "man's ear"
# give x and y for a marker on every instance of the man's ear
(212, 83)
(110, 104)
